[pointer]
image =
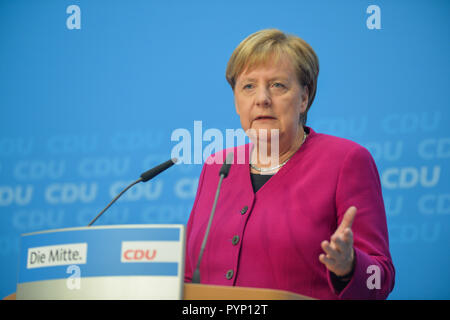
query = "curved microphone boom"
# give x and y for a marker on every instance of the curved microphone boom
(147, 175)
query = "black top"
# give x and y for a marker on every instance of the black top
(258, 180)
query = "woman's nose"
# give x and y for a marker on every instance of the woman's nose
(263, 97)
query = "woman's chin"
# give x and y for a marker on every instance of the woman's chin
(265, 128)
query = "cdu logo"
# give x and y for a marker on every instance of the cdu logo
(139, 254)
(149, 251)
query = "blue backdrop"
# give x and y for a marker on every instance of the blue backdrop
(90, 95)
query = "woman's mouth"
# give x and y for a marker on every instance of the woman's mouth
(265, 118)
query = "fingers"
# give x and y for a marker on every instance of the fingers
(347, 221)
(338, 252)
(331, 250)
(339, 255)
(342, 241)
(348, 236)
(327, 261)
(339, 243)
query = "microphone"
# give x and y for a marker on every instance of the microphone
(150, 174)
(223, 173)
(147, 175)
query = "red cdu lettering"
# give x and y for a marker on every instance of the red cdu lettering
(139, 254)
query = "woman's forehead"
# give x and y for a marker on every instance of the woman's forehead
(274, 67)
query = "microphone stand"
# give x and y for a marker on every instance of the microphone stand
(148, 175)
(223, 174)
(114, 200)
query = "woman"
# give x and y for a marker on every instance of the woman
(308, 218)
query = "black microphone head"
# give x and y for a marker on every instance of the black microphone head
(227, 164)
(147, 175)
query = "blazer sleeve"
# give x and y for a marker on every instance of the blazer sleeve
(189, 264)
(359, 185)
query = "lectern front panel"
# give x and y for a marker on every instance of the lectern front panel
(104, 262)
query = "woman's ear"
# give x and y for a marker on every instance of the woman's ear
(236, 105)
(305, 99)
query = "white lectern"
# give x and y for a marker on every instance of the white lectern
(103, 262)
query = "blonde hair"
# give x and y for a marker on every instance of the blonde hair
(264, 45)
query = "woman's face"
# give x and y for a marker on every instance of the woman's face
(270, 97)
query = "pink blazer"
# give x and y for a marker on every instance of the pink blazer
(271, 238)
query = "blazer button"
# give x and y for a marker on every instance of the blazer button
(229, 274)
(235, 240)
(244, 210)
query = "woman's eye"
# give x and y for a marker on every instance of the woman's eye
(278, 85)
(248, 86)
